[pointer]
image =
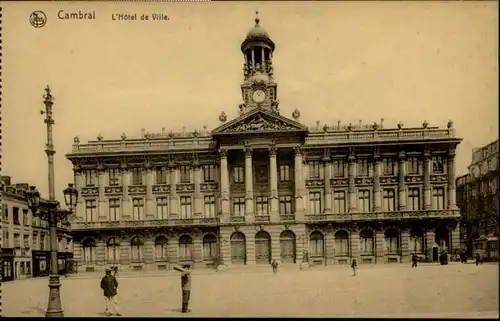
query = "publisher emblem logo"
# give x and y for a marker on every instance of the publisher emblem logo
(38, 19)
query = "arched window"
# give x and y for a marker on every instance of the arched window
(89, 255)
(209, 247)
(136, 249)
(161, 248)
(416, 240)
(316, 244)
(392, 240)
(366, 241)
(442, 237)
(341, 243)
(112, 250)
(185, 248)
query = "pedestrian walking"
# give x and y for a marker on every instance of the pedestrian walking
(354, 266)
(478, 258)
(414, 260)
(109, 285)
(274, 264)
(185, 286)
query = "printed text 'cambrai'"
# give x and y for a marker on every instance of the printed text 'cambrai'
(80, 15)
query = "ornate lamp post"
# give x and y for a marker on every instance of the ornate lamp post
(51, 211)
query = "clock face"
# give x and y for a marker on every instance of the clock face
(259, 96)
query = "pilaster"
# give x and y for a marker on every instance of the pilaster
(455, 238)
(224, 186)
(149, 247)
(379, 245)
(429, 243)
(124, 251)
(198, 250)
(451, 181)
(173, 250)
(299, 210)
(126, 202)
(352, 181)
(198, 197)
(377, 198)
(354, 242)
(273, 168)
(405, 243)
(250, 247)
(274, 232)
(150, 202)
(249, 210)
(402, 185)
(80, 205)
(102, 208)
(174, 197)
(327, 187)
(427, 180)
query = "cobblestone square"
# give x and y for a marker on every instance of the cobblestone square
(456, 290)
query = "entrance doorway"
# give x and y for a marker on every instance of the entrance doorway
(262, 248)
(287, 245)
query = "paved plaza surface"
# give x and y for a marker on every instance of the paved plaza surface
(456, 290)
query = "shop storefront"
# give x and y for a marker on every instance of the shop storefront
(8, 264)
(41, 263)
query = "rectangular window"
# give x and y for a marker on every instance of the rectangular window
(341, 246)
(314, 169)
(138, 209)
(161, 175)
(239, 206)
(5, 213)
(208, 173)
(315, 203)
(286, 204)
(392, 244)
(114, 176)
(90, 210)
(413, 199)
(339, 202)
(338, 168)
(210, 249)
(185, 174)
(137, 176)
(284, 173)
(42, 242)
(388, 167)
(363, 167)
(186, 211)
(364, 201)
(35, 243)
(437, 164)
(17, 240)
(209, 206)
(316, 247)
(262, 205)
(90, 176)
(366, 245)
(239, 174)
(438, 198)
(161, 208)
(412, 164)
(26, 217)
(26, 241)
(15, 215)
(114, 209)
(389, 199)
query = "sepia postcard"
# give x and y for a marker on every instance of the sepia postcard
(249, 159)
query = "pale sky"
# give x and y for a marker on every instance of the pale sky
(401, 61)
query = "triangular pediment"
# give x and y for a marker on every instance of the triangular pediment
(259, 121)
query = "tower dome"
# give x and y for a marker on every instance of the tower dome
(257, 35)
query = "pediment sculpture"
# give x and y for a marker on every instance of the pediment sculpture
(258, 122)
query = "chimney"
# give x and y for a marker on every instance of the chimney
(6, 180)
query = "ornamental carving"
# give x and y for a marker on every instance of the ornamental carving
(340, 181)
(163, 188)
(402, 156)
(113, 190)
(184, 187)
(248, 152)
(451, 154)
(89, 191)
(314, 183)
(388, 180)
(223, 153)
(297, 150)
(136, 189)
(272, 150)
(413, 179)
(438, 178)
(208, 187)
(258, 122)
(364, 180)
(352, 156)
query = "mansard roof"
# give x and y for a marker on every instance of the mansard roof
(259, 121)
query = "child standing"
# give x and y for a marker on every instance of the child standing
(354, 266)
(274, 264)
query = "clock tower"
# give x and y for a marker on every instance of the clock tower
(258, 89)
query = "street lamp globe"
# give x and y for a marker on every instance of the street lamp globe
(33, 197)
(70, 196)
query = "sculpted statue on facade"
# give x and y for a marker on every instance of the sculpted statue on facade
(259, 123)
(275, 106)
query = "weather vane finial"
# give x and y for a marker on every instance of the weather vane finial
(257, 20)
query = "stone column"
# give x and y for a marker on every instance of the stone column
(198, 197)
(174, 197)
(427, 180)
(275, 247)
(430, 239)
(379, 245)
(455, 238)
(377, 198)
(299, 210)
(402, 185)
(198, 250)
(248, 186)
(150, 201)
(352, 181)
(124, 251)
(100, 253)
(149, 248)
(173, 250)
(354, 242)
(327, 175)
(405, 244)
(250, 248)
(224, 186)
(126, 202)
(102, 208)
(451, 181)
(80, 205)
(273, 168)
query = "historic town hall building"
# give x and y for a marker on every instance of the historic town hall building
(263, 186)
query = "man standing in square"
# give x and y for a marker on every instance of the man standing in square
(109, 285)
(186, 287)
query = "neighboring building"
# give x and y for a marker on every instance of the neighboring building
(25, 247)
(264, 186)
(477, 195)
